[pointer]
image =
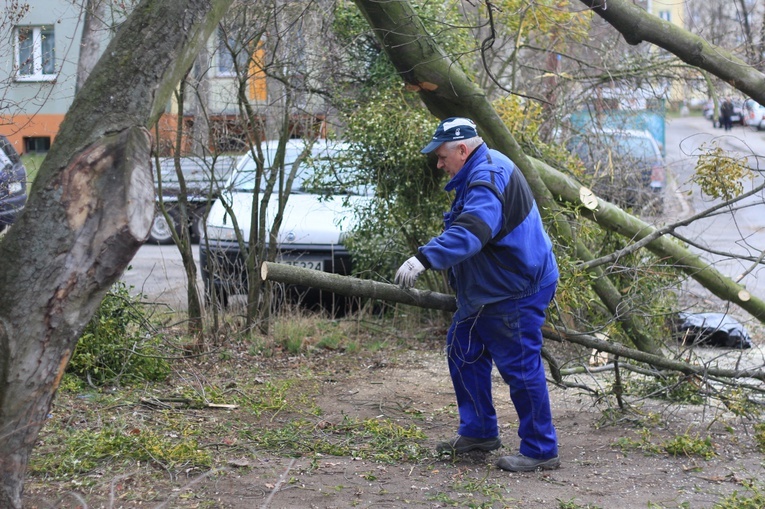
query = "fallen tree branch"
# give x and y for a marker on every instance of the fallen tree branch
(614, 219)
(648, 358)
(670, 228)
(355, 287)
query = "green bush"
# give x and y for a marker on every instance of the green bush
(118, 345)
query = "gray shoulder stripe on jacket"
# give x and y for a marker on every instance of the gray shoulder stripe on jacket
(474, 225)
(492, 186)
(519, 195)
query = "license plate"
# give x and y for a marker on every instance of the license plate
(305, 264)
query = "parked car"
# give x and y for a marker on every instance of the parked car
(313, 226)
(202, 177)
(625, 167)
(13, 184)
(754, 113)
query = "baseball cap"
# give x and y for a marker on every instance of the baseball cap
(453, 128)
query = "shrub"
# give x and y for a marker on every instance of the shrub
(118, 344)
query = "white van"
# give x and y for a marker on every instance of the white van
(313, 227)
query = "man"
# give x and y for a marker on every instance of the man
(726, 112)
(502, 267)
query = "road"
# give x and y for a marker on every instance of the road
(157, 272)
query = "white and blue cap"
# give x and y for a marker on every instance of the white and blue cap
(451, 129)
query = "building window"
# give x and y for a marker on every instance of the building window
(36, 144)
(229, 45)
(665, 15)
(35, 54)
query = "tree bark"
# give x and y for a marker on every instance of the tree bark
(93, 27)
(354, 287)
(447, 91)
(89, 210)
(636, 26)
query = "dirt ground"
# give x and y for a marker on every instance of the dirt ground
(410, 386)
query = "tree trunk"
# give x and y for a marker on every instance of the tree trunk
(89, 210)
(90, 46)
(182, 237)
(447, 91)
(354, 287)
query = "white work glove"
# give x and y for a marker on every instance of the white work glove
(409, 272)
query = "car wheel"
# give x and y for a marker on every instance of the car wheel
(216, 296)
(198, 218)
(161, 232)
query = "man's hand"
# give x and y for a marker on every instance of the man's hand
(409, 272)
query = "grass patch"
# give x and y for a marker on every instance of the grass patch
(298, 333)
(751, 498)
(680, 445)
(84, 450)
(478, 493)
(32, 163)
(572, 504)
(373, 439)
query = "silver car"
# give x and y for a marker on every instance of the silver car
(625, 167)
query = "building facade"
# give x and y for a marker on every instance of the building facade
(38, 80)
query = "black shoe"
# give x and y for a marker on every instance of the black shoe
(521, 463)
(460, 445)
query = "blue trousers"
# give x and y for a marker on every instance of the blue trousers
(509, 335)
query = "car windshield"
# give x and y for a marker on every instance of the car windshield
(621, 147)
(634, 147)
(326, 170)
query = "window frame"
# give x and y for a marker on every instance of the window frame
(222, 56)
(37, 50)
(223, 60)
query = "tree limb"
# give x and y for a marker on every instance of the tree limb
(670, 228)
(637, 25)
(613, 218)
(657, 361)
(354, 287)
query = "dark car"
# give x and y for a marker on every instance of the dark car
(625, 166)
(13, 184)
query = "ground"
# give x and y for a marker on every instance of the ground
(610, 459)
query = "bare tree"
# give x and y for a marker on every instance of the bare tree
(274, 43)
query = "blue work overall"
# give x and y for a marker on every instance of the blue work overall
(509, 334)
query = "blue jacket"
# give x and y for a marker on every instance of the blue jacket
(494, 243)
